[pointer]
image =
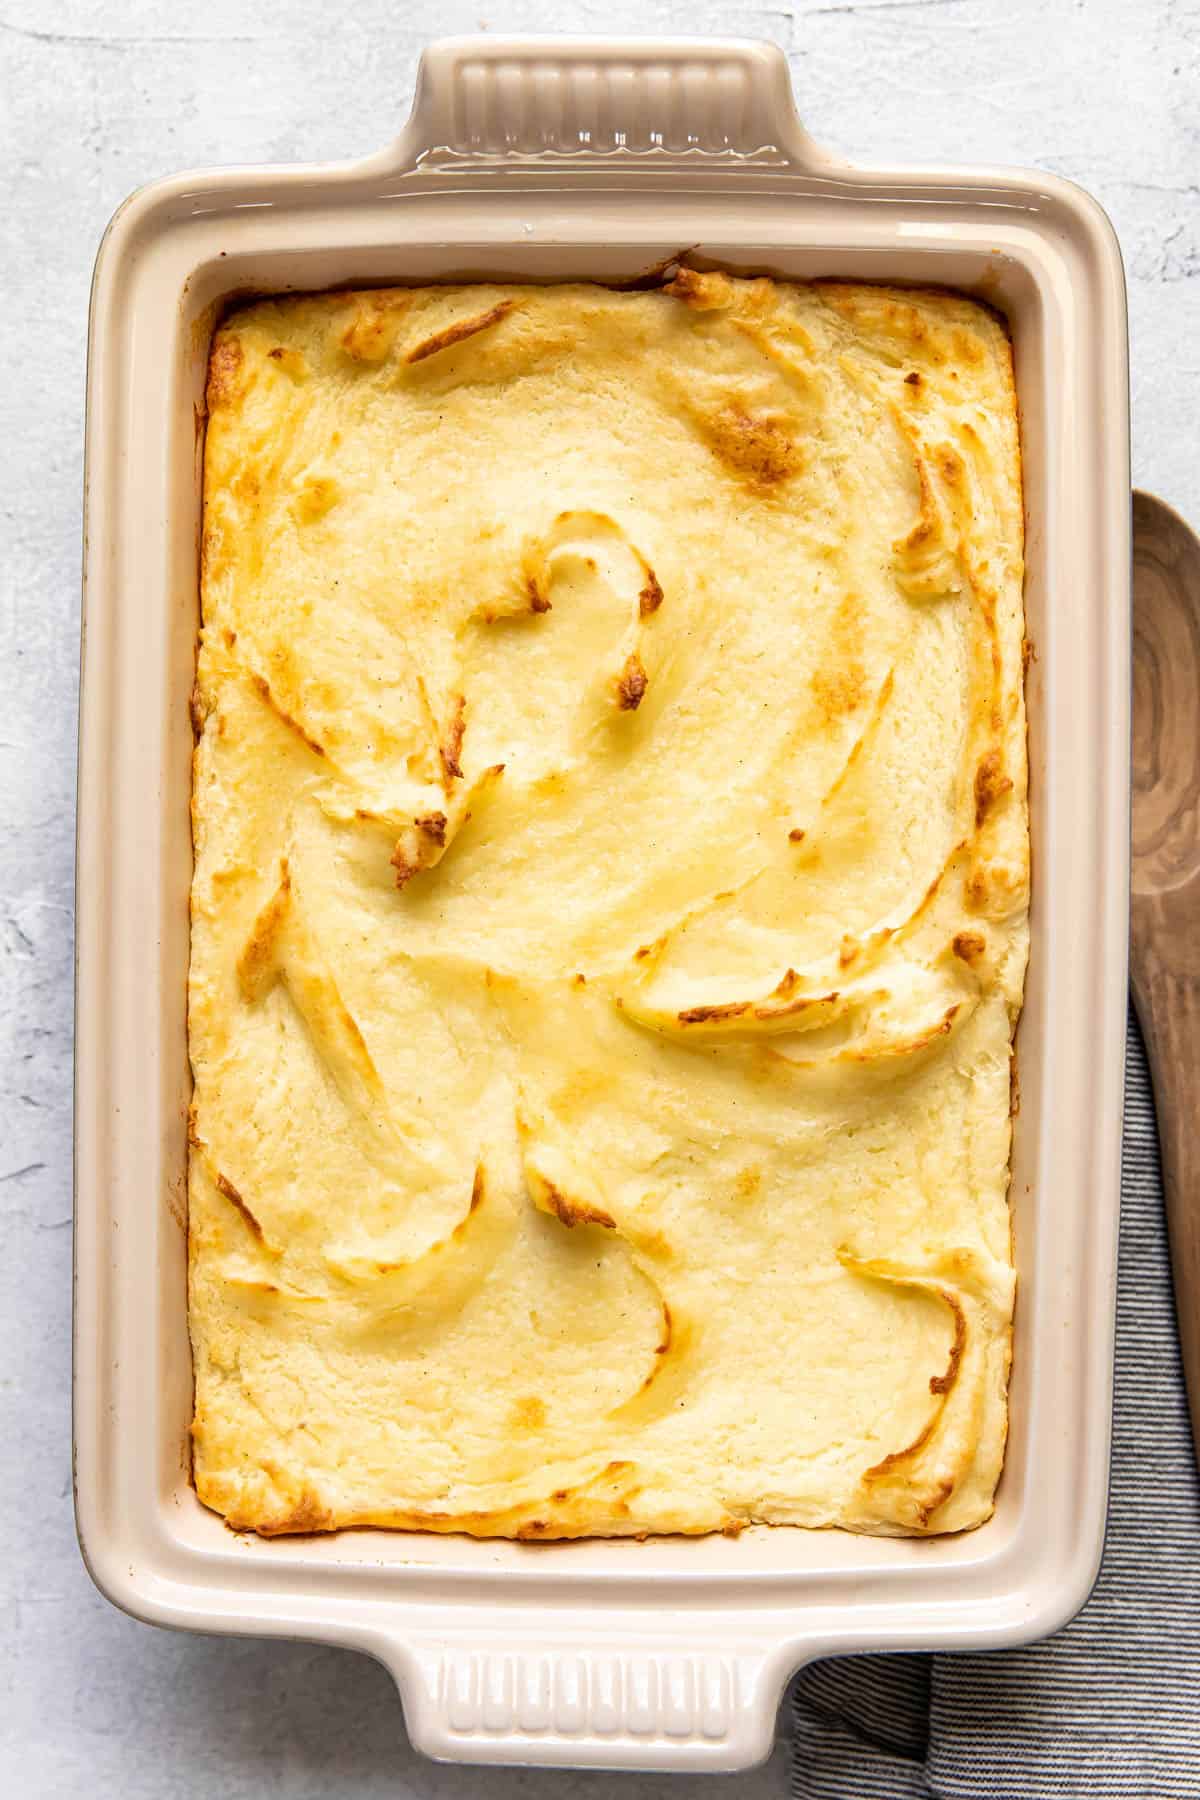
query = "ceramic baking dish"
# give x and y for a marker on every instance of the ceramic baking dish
(540, 159)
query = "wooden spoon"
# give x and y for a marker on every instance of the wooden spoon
(1165, 918)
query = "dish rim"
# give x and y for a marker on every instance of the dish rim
(445, 1654)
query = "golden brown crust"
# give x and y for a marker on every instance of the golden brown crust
(755, 447)
(225, 367)
(262, 688)
(631, 684)
(306, 1517)
(708, 1015)
(650, 597)
(450, 748)
(257, 962)
(458, 332)
(370, 334)
(969, 946)
(703, 291)
(991, 784)
(576, 1212)
(529, 1127)
(226, 1187)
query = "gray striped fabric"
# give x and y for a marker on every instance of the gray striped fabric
(1111, 1705)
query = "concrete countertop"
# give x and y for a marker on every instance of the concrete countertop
(95, 99)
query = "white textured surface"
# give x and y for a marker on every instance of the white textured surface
(95, 99)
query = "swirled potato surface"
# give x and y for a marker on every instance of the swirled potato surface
(609, 913)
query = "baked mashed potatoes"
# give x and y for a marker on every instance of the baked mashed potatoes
(609, 916)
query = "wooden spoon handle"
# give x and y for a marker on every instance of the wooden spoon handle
(1168, 1008)
(1165, 912)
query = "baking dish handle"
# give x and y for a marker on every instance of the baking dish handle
(512, 98)
(579, 1705)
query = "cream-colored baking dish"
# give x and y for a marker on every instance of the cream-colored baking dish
(542, 159)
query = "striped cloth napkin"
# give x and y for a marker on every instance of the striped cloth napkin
(1111, 1705)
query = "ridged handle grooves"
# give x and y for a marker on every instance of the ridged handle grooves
(507, 98)
(670, 1706)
